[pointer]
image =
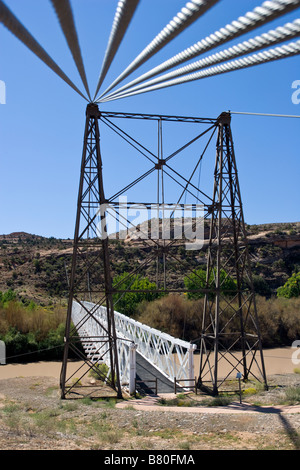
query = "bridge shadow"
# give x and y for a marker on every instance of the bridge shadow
(290, 430)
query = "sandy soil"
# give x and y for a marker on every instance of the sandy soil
(33, 417)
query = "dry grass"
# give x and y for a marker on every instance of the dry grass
(28, 320)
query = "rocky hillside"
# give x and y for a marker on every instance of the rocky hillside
(37, 267)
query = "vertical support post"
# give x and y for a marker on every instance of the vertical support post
(2, 353)
(90, 277)
(191, 361)
(132, 368)
(229, 322)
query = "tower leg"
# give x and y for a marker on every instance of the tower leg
(230, 332)
(90, 337)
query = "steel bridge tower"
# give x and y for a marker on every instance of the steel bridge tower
(90, 268)
(228, 330)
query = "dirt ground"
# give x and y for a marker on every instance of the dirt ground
(33, 417)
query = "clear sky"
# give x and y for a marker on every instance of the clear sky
(42, 122)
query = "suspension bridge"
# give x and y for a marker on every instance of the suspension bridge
(146, 355)
(132, 352)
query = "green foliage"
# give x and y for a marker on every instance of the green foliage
(142, 289)
(292, 396)
(7, 296)
(196, 283)
(291, 288)
(30, 331)
(99, 371)
(180, 400)
(180, 317)
(217, 401)
(261, 287)
(37, 266)
(196, 280)
(26, 347)
(173, 314)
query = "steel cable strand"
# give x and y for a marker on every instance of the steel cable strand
(10, 21)
(188, 14)
(267, 114)
(285, 51)
(281, 34)
(65, 16)
(123, 16)
(268, 11)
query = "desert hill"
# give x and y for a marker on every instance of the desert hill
(36, 267)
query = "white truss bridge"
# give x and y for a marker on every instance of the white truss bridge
(171, 357)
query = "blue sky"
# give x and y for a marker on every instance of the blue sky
(42, 122)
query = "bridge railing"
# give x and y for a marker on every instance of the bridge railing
(170, 356)
(92, 333)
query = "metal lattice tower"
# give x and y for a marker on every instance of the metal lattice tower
(230, 301)
(90, 278)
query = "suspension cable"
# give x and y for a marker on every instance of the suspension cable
(288, 50)
(266, 114)
(267, 12)
(123, 15)
(188, 14)
(65, 16)
(280, 34)
(10, 21)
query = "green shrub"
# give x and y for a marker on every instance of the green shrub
(30, 332)
(261, 287)
(291, 288)
(249, 391)
(99, 371)
(7, 296)
(278, 318)
(292, 396)
(127, 302)
(174, 315)
(195, 284)
(22, 347)
(216, 401)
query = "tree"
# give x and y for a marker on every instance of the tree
(37, 266)
(142, 289)
(291, 288)
(261, 287)
(196, 281)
